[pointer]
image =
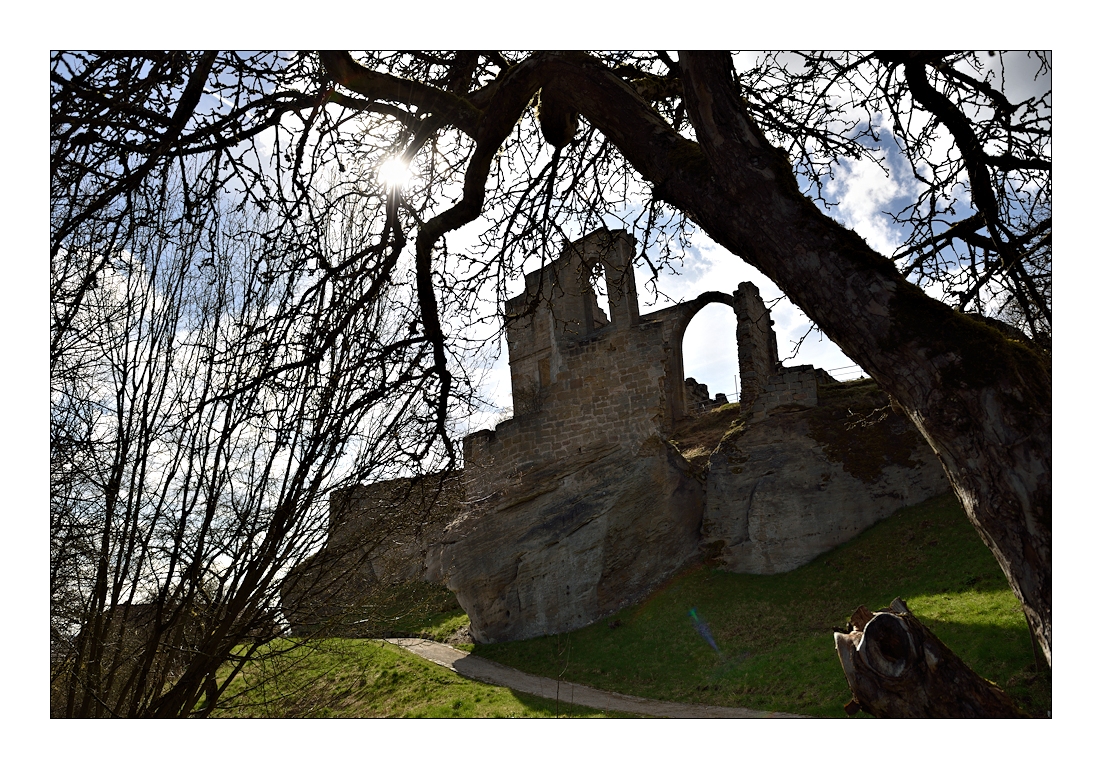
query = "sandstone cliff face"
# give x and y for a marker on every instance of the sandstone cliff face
(572, 542)
(787, 489)
(552, 546)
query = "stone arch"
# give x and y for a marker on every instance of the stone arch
(677, 322)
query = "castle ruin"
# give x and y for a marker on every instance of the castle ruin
(580, 379)
(580, 504)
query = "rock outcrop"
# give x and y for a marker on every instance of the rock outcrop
(573, 541)
(784, 490)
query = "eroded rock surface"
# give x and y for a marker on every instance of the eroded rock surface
(572, 542)
(787, 489)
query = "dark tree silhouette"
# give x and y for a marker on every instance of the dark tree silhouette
(173, 156)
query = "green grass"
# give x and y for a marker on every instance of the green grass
(363, 678)
(418, 609)
(776, 647)
(773, 633)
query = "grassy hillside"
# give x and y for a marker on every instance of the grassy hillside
(771, 645)
(774, 645)
(363, 678)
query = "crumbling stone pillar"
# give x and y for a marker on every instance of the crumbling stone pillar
(617, 256)
(757, 343)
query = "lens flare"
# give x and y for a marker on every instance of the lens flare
(702, 628)
(395, 173)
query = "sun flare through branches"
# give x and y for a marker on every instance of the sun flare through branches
(395, 173)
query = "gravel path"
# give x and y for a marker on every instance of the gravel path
(487, 671)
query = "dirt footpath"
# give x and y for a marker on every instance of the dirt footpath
(490, 672)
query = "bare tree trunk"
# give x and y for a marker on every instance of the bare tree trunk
(897, 668)
(981, 400)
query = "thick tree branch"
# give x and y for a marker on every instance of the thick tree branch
(378, 86)
(1011, 163)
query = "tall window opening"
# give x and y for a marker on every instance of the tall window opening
(710, 354)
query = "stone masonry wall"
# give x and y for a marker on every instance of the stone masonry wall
(766, 384)
(797, 385)
(608, 391)
(757, 342)
(559, 307)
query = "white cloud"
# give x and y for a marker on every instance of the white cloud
(1020, 77)
(864, 192)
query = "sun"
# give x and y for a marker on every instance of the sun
(395, 173)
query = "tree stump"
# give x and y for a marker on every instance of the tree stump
(897, 668)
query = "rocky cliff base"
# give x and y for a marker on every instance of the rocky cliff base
(782, 491)
(572, 542)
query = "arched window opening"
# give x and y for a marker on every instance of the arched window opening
(600, 291)
(710, 357)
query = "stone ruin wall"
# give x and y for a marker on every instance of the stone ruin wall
(766, 384)
(388, 524)
(608, 390)
(756, 340)
(580, 486)
(379, 535)
(697, 398)
(798, 385)
(580, 379)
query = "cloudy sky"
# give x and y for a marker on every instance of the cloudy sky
(863, 191)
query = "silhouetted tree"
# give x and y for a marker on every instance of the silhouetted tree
(179, 143)
(210, 386)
